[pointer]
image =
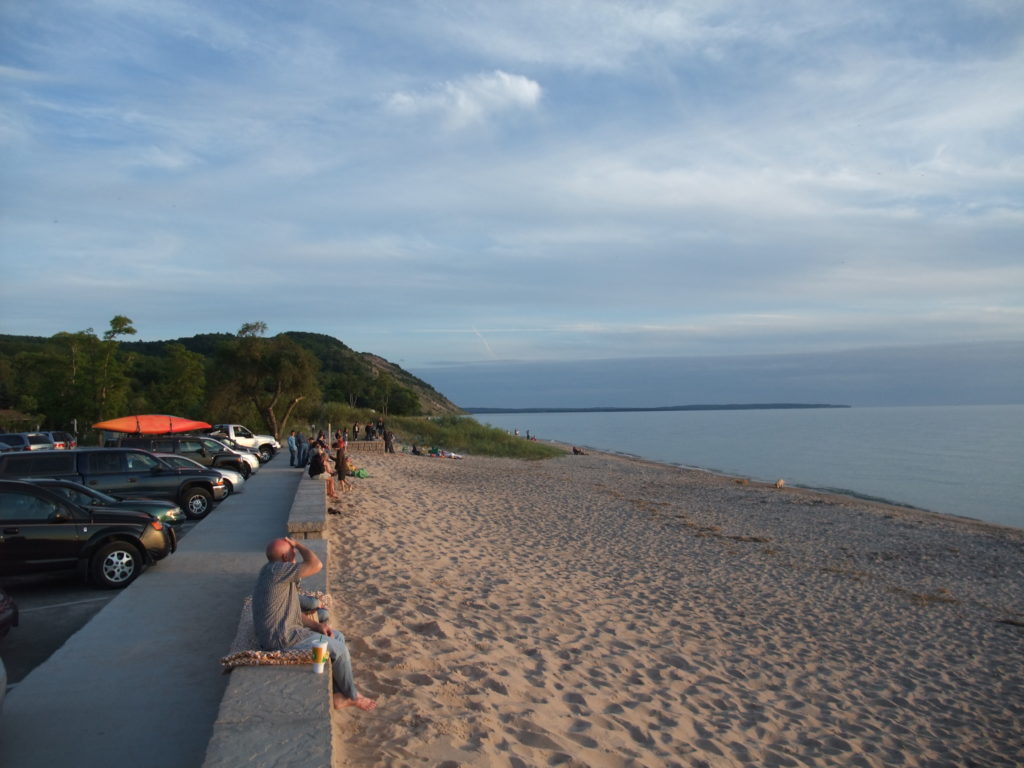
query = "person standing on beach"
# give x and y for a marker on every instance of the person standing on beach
(340, 444)
(281, 625)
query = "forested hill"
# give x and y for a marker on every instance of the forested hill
(85, 377)
(345, 375)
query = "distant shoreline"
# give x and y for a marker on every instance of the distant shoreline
(617, 409)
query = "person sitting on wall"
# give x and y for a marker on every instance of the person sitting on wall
(280, 623)
(320, 468)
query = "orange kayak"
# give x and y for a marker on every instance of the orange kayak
(151, 424)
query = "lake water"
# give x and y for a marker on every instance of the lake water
(961, 460)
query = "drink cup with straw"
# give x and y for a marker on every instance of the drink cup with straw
(320, 655)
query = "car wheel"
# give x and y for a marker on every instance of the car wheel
(245, 469)
(266, 453)
(197, 503)
(115, 565)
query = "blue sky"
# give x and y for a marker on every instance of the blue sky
(452, 184)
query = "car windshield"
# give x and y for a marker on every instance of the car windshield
(39, 439)
(182, 461)
(82, 495)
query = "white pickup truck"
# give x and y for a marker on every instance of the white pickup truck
(264, 445)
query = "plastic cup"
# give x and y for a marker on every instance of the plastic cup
(319, 657)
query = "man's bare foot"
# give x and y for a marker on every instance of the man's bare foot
(363, 703)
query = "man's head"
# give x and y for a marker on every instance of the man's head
(281, 551)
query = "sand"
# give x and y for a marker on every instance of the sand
(603, 611)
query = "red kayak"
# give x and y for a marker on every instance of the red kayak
(151, 424)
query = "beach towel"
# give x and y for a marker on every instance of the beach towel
(245, 650)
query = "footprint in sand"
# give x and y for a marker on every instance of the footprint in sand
(429, 629)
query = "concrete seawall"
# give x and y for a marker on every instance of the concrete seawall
(280, 716)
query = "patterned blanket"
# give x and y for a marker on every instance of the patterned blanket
(245, 650)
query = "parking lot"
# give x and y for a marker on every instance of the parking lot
(145, 660)
(51, 609)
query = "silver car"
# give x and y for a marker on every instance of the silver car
(221, 445)
(27, 441)
(233, 480)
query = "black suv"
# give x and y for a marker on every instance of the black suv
(204, 450)
(126, 472)
(41, 531)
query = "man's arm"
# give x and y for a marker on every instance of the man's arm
(323, 628)
(310, 562)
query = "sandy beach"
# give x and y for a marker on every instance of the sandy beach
(603, 611)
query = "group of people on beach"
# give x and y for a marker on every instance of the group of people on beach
(315, 454)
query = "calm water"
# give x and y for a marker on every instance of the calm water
(962, 460)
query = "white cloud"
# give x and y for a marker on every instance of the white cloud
(688, 170)
(471, 100)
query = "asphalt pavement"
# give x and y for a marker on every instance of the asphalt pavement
(52, 608)
(140, 683)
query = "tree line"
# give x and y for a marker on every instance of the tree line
(73, 380)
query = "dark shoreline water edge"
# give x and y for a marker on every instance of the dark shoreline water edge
(663, 408)
(841, 492)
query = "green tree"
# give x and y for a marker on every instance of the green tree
(75, 383)
(113, 381)
(381, 391)
(181, 386)
(266, 377)
(404, 402)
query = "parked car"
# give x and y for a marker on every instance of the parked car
(8, 613)
(5, 448)
(203, 450)
(127, 472)
(265, 445)
(43, 531)
(250, 455)
(234, 480)
(165, 511)
(61, 440)
(27, 441)
(247, 455)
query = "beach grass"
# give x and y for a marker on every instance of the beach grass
(463, 434)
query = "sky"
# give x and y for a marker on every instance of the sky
(471, 187)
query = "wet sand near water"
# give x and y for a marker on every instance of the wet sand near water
(603, 611)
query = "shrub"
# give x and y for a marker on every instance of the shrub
(463, 434)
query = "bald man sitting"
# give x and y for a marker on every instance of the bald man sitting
(281, 625)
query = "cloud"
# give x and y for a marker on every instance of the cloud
(682, 176)
(470, 100)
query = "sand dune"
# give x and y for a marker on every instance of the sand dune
(595, 610)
